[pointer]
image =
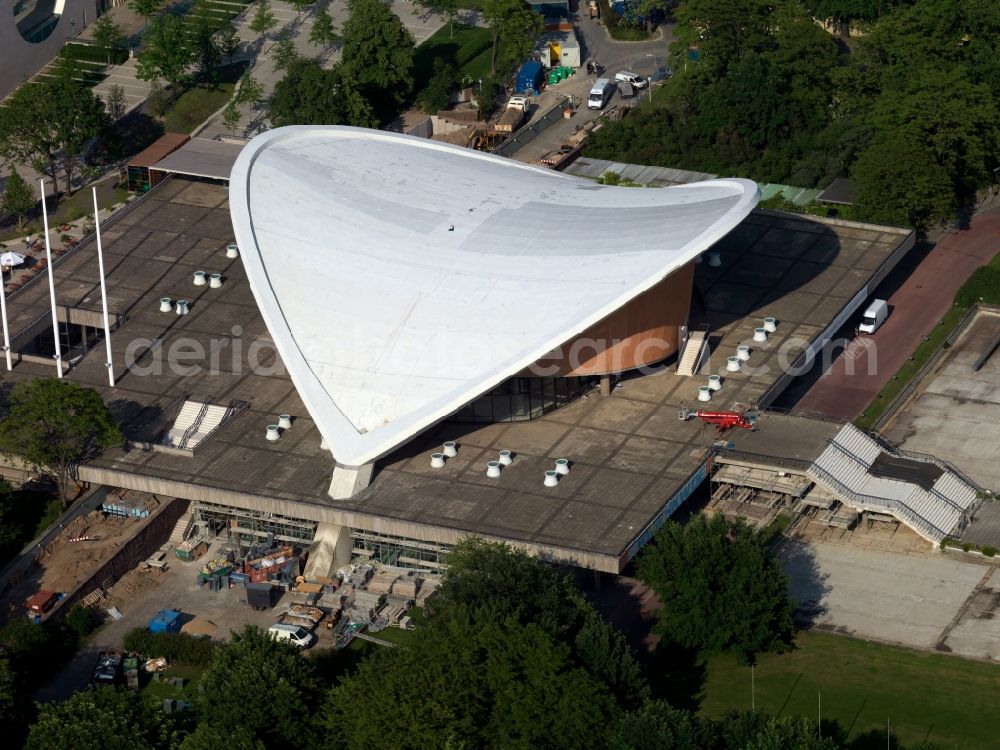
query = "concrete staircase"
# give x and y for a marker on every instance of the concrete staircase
(182, 529)
(934, 509)
(194, 422)
(694, 353)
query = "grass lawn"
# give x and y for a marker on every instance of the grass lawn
(200, 102)
(925, 696)
(468, 50)
(164, 689)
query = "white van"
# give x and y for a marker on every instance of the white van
(294, 634)
(600, 93)
(627, 76)
(874, 316)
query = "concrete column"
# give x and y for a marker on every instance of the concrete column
(348, 481)
(605, 385)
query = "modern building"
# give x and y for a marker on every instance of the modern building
(34, 32)
(387, 295)
(403, 279)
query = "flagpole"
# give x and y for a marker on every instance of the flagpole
(104, 296)
(52, 283)
(6, 331)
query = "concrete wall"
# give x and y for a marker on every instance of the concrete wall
(19, 58)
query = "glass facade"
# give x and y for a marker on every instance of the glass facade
(397, 551)
(249, 527)
(520, 399)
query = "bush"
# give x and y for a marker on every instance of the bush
(81, 621)
(93, 53)
(437, 94)
(174, 647)
(989, 551)
(618, 27)
(966, 547)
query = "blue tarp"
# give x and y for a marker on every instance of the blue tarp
(166, 621)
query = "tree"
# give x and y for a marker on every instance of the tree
(49, 126)
(284, 53)
(167, 51)
(249, 91)
(146, 9)
(202, 28)
(492, 684)
(658, 726)
(252, 658)
(721, 587)
(56, 425)
(231, 115)
(108, 35)
(310, 95)
(447, 8)
(300, 5)
(757, 731)
(263, 18)
(437, 93)
(722, 31)
(15, 708)
(321, 33)
(229, 41)
(18, 198)
(101, 719)
(116, 103)
(378, 53)
(514, 26)
(900, 182)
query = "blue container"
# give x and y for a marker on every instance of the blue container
(529, 77)
(166, 621)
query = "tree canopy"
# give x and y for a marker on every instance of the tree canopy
(377, 52)
(103, 719)
(18, 197)
(168, 51)
(49, 126)
(760, 90)
(721, 587)
(311, 95)
(55, 425)
(514, 26)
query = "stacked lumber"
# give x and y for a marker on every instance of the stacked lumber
(406, 587)
(382, 582)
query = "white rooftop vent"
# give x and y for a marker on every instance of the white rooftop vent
(506, 458)
(285, 421)
(743, 353)
(199, 278)
(733, 364)
(760, 335)
(770, 325)
(182, 307)
(714, 383)
(215, 281)
(493, 469)
(714, 260)
(551, 479)
(704, 393)
(232, 251)
(562, 466)
(437, 460)
(272, 432)
(451, 449)
(166, 304)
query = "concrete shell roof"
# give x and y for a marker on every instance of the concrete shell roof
(401, 278)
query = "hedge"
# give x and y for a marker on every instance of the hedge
(93, 53)
(983, 286)
(174, 647)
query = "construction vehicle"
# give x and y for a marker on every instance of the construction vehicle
(723, 420)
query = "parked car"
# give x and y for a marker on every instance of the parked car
(294, 634)
(627, 76)
(874, 316)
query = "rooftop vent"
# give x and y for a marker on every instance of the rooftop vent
(272, 432)
(451, 449)
(232, 251)
(493, 469)
(437, 460)
(551, 479)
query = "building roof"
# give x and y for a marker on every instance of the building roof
(401, 278)
(161, 147)
(202, 157)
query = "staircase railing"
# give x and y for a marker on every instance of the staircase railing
(195, 424)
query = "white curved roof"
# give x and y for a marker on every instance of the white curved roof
(401, 278)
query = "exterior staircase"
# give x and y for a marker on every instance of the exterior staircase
(694, 352)
(925, 494)
(194, 422)
(183, 527)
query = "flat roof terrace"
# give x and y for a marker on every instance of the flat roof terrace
(631, 454)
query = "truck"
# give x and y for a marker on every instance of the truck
(262, 595)
(600, 93)
(107, 670)
(300, 614)
(513, 115)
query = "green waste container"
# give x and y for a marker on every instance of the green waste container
(553, 77)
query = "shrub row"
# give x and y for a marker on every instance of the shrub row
(987, 551)
(174, 647)
(618, 27)
(93, 53)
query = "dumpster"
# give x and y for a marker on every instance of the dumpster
(529, 77)
(166, 621)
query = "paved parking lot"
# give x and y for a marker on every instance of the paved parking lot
(926, 601)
